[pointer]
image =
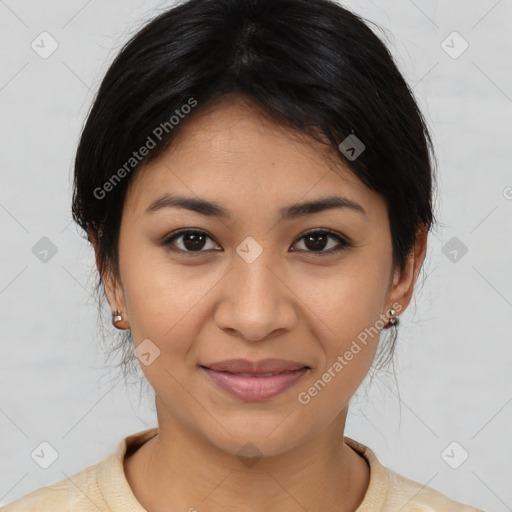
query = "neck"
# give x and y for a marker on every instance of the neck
(179, 466)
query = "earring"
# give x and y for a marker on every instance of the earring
(393, 318)
(116, 317)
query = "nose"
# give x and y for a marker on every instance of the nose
(257, 302)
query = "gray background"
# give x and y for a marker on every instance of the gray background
(454, 350)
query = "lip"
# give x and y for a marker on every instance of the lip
(255, 367)
(242, 378)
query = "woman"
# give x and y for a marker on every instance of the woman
(256, 180)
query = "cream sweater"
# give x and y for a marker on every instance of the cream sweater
(103, 487)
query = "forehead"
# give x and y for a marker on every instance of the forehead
(231, 153)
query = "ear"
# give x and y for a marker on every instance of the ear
(403, 282)
(113, 287)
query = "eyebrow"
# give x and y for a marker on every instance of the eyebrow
(213, 209)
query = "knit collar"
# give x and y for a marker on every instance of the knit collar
(118, 494)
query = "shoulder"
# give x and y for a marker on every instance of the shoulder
(96, 487)
(64, 495)
(389, 491)
(410, 496)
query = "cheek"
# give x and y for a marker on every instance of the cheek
(164, 304)
(349, 305)
(349, 336)
(159, 294)
(167, 304)
(349, 299)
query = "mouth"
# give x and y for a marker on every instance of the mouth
(261, 367)
(255, 386)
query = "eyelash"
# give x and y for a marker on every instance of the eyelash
(344, 244)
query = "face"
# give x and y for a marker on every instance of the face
(261, 281)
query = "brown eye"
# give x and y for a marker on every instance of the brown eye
(188, 241)
(317, 241)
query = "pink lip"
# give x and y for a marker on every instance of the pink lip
(255, 388)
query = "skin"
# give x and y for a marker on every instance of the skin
(292, 304)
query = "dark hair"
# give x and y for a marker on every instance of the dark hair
(310, 65)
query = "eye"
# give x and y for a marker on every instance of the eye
(192, 240)
(317, 241)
